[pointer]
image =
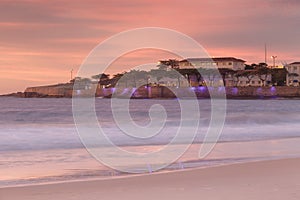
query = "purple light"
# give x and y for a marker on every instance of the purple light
(259, 92)
(104, 91)
(221, 89)
(124, 91)
(113, 90)
(133, 91)
(211, 88)
(235, 91)
(202, 88)
(273, 89)
(192, 88)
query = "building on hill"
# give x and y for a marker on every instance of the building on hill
(231, 72)
(218, 62)
(293, 76)
(244, 78)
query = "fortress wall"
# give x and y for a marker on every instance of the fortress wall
(169, 92)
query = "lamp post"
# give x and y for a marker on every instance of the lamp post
(274, 58)
(148, 81)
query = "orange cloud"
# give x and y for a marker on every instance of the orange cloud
(55, 36)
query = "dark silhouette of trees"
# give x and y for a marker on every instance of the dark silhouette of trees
(279, 76)
(103, 79)
(262, 72)
(173, 63)
(249, 67)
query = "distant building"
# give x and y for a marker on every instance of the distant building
(256, 80)
(219, 62)
(231, 72)
(293, 76)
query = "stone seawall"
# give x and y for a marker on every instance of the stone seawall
(59, 90)
(203, 92)
(66, 90)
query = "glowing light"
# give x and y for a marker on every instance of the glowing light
(235, 91)
(273, 89)
(221, 89)
(259, 90)
(202, 88)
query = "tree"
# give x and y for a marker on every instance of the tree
(279, 76)
(225, 73)
(188, 73)
(249, 74)
(175, 75)
(210, 75)
(236, 77)
(117, 77)
(249, 67)
(136, 76)
(173, 63)
(158, 74)
(103, 79)
(262, 72)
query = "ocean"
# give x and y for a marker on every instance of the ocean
(40, 144)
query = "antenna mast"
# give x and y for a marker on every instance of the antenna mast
(265, 53)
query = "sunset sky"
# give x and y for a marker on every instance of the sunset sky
(41, 41)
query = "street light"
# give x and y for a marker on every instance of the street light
(274, 57)
(71, 74)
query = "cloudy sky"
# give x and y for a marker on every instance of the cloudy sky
(41, 41)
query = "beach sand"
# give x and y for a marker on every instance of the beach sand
(276, 179)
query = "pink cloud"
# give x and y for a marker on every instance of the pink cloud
(37, 35)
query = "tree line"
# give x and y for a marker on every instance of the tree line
(200, 76)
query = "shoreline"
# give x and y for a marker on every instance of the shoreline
(162, 98)
(276, 179)
(94, 171)
(125, 175)
(162, 92)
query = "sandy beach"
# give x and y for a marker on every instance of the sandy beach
(277, 179)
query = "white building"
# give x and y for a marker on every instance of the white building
(220, 62)
(254, 81)
(293, 76)
(237, 77)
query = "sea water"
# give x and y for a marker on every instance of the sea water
(40, 144)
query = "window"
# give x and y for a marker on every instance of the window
(230, 63)
(253, 82)
(259, 82)
(295, 68)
